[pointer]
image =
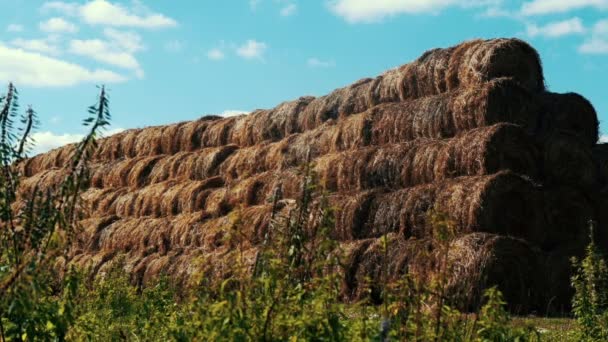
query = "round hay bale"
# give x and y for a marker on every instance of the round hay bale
(568, 161)
(600, 157)
(568, 212)
(479, 61)
(570, 113)
(479, 261)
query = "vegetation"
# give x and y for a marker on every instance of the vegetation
(292, 293)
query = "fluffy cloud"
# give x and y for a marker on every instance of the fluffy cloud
(44, 46)
(597, 43)
(34, 69)
(370, 11)
(252, 49)
(540, 7)
(58, 25)
(557, 29)
(215, 54)
(317, 63)
(14, 28)
(117, 50)
(47, 140)
(102, 12)
(604, 138)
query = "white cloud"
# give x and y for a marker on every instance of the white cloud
(252, 49)
(288, 10)
(597, 43)
(129, 41)
(58, 25)
(47, 140)
(557, 29)
(375, 10)
(65, 8)
(228, 113)
(317, 63)
(215, 54)
(14, 28)
(603, 139)
(34, 69)
(102, 12)
(540, 7)
(36, 45)
(118, 50)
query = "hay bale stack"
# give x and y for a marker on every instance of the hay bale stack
(468, 132)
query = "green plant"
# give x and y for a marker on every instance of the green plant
(36, 302)
(590, 301)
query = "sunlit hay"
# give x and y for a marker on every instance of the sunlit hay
(269, 125)
(128, 143)
(477, 152)
(570, 113)
(567, 160)
(56, 158)
(218, 132)
(110, 148)
(205, 163)
(149, 141)
(42, 181)
(118, 176)
(568, 212)
(251, 160)
(342, 102)
(170, 140)
(474, 62)
(445, 115)
(190, 133)
(479, 261)
(473, 204)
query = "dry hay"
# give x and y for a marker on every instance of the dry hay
(445, 115)
(477, 152)
(475, 262)
(479, 261)
(568, 161)
(503, 203)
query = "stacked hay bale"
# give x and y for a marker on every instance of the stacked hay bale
(468, 131)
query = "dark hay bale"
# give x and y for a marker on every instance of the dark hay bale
(569, 113)
(568, 161)
(600, 157)
(568, 212)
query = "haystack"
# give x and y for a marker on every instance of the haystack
(468, 132)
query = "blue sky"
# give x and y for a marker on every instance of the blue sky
(167, 61)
